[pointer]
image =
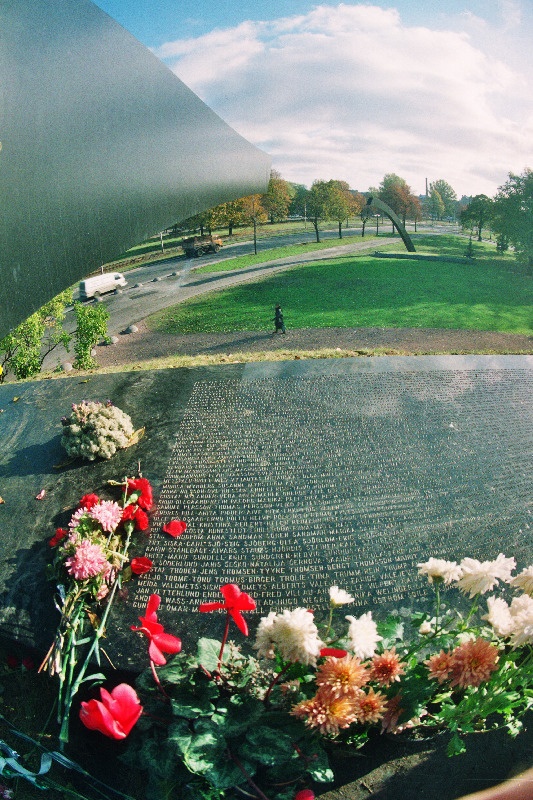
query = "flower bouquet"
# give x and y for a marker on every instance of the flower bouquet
(90, 557)
(97, 430)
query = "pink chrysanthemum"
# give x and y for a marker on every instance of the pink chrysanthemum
(370, 706)
(473, 663)
(88, 561)
(439, 666)
(108, 514)
(327, 713)
(342, 676)
(76, 517)
(386, 668)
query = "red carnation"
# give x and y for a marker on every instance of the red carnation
(58, 536)
(136, 514)
(141, 486)
(88, 501)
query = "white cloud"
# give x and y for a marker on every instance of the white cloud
(351, 92)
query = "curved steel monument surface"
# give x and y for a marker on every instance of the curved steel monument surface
(102, 146)
(374, 202)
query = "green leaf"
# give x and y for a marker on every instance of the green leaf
(204, 752)
(190, 704)
(456, 746)
(97, 676)
(267, 746)
(236, 715)
(208, 652)
(391, 630)
(319, 769)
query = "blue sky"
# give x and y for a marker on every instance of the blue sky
(356, 90)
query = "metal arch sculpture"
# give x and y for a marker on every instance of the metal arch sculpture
(102, 146)
(373, 202)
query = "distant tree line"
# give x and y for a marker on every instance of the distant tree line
(509, 215)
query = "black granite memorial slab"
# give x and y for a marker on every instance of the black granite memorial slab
(291, 476)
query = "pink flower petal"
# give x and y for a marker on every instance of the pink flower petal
(175, 528)
(41, 495)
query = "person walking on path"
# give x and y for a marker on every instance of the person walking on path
(279, 324)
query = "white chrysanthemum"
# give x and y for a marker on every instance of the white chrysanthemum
(294, 635)
(363, 635)
(479, 577)
(263, 638)
(425, 628)
(521, 609)
(338, 597)
(438, 570)
(524, 581)
(499, 616)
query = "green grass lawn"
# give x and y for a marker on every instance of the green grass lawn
(363, 291)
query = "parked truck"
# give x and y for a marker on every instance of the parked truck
(196, 246)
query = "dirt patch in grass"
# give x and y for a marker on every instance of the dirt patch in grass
(146, 345)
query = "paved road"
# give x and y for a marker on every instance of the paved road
(176, 280)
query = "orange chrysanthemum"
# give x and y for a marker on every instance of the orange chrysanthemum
(386, 668)
(342, 676)
(473, 663)
(327, 713)
(440, 666)
(370, 706)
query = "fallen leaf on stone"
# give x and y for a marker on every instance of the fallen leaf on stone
(136, 436)
(41, 495)
(2, 500)
(175, 528)
(16, 399)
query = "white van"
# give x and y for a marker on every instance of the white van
(99, 284)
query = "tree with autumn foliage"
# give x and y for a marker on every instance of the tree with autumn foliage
(397, 194)
(278, 197)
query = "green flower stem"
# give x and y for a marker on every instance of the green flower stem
(223, 644)
(330, 620)
(274, 682)
(74, 685)
(249, 780)
(67, 666)
(437, 607)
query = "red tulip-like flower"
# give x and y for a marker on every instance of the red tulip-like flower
(236, 601)
(160, 642)
(115, 714)
(142, 487)
(175, 527)
(305, 794)
(141, 565)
